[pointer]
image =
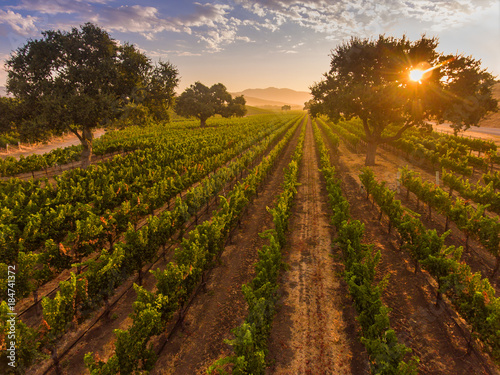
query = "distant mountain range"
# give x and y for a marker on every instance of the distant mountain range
(270, 97)
(273, 97)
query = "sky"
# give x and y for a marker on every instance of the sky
(261, 43)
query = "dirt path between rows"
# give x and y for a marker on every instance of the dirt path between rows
(49, 289)
(222, 307)
(431, 332)
(387, 164)
(314, 329)
(100, 338)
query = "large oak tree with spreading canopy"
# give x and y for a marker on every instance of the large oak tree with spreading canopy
(204, 102)
(370, 79)
(83, 79)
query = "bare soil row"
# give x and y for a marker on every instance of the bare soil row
(314, 330)
(100, 339)
(435, 333)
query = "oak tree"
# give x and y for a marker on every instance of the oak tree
(371, 80)
(80, 80)
(204, 102)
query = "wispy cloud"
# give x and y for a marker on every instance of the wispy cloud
(54, 7)
(136, 18)
(354, 17)
(216, 25)
(22, 25)
(210, 23)
(166, 54)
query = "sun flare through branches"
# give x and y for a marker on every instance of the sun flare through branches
(424, 70)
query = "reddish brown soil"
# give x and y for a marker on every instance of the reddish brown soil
(314, 331)
(222, 307)
(435, 334)
(59, 142)
(477, 257)
(100, 338)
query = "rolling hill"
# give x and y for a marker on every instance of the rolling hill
(274, 97)
(492, 120)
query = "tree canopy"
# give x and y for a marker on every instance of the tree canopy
(370, 79)
(203, 102)
(82, 79)
(8, 110)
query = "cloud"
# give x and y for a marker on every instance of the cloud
(53, 7)
(19, 24)
(147, 19)
(136, 18)
(244, 39)
(205, 15)
(210, 23)
(342, 18)
(185, 53)
(159, 53)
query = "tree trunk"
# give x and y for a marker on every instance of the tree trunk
(203, 122)
(87, 147)
(371, 152)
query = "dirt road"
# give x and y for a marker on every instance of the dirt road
(60, 142)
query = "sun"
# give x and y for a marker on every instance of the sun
(423, 70)
(417, 74)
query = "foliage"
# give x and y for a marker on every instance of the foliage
(79, 80)
(386, 354)
(369, 79)
(60, 311)
(8, 110)
(203, 102)
(27, 345)
(473, 296)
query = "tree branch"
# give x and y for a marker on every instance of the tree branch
(397, 135)
(75, 132)
(367, 129)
